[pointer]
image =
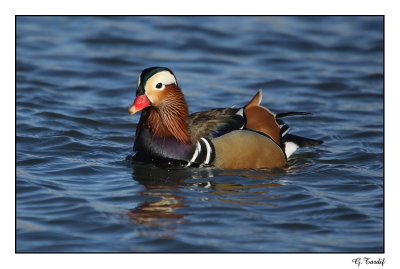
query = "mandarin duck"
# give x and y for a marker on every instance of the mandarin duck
(234, 138)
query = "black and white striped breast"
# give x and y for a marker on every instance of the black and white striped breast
(204, 153)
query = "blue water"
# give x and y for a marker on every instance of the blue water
(76, 77)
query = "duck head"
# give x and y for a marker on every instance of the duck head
(164, 107)
(156, 86)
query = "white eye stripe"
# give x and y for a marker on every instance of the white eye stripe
(163, 77)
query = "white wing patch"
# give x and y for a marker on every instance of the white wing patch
(240, 112)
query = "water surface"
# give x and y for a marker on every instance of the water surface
(76, 77)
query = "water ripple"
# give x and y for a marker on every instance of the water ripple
(76, 189)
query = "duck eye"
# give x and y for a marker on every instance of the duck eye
(159, 85)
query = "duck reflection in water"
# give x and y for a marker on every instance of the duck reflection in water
(166, 207)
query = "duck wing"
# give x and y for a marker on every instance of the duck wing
(216, 122)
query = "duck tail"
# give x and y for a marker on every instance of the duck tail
(300, 141)
(293, 142)
(286, 114)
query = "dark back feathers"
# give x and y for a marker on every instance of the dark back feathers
(214, 123)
